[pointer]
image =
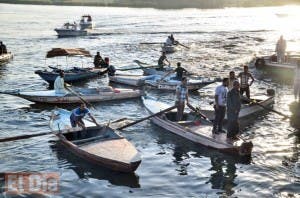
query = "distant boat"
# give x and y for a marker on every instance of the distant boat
(74, 29)
(73, 74)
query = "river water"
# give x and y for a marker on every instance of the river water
(220, 40)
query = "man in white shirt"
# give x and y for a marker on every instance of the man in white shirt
(280, 49)
(220, 106)
(59, 84)
(168, 41)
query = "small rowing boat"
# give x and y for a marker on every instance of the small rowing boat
(170, 82)
(126, 79)
(99, 145)
(100, 94)
(4, 58)
(195, 129)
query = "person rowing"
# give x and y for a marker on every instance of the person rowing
(280, 49)
(181, 97)
(179, 71)
(59, 84)
(174, 42)
(161, 61)
(78, 114)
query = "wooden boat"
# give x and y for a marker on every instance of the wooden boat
(88, 94)
(169, 83)
(154, 71)
(74, 74)
(284, 71)
(4, 58)
(195, 129)
(247, 109)
(99, 145)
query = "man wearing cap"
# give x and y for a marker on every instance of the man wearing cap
(233, 110)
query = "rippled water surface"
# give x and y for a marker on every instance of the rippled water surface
(219, 40)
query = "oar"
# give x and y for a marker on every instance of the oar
(198, 112)
(151, 43)
(8, 139)
(140, 63)
(166, 75)
(183, 45)
(266, 108)
(146, 118)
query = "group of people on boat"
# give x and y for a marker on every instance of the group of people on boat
(171, 40)
(227, 98)
(3, 49)
(99, 62)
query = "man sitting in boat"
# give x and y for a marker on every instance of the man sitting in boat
(179, 71)
(98, 60)
(220, 106)
(161, 61)
(59, 84)
(181, 97)
(297, 82)
(280, 49)
(105, 63)
(169, 41)
(233, 110)
(232, 78)
(3, 49)
(174, 42)
(244, 79)
(78, 114)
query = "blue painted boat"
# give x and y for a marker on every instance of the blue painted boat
(74, 74)
(71, 75)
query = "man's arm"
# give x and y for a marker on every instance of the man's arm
(94, 120)
(168, 61)
(252, 79)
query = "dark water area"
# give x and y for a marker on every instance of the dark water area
(220, 40)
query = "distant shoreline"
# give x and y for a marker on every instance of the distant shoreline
(158, 4)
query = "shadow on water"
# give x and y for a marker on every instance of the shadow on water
(85, 170)
(223, 166)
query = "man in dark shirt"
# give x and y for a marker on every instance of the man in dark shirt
(3, 49)
(233, 110)
(179, 71)
(98, 60)
(161, 61)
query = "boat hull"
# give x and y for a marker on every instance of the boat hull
(70, 32)
(131, 80)
(169, 48)
(4, 58)
(50, 97)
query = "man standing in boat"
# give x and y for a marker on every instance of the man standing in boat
(232, 78)
(59, 84)
(244, 79)
(297, 82)
(220, 106)
(98, 60)
(78, 114)
(3, 49)
(233, 110)
(161, 61)
(280, 49)
(181, 97)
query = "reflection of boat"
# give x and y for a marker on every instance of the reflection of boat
(84, 170)
(247, 109)
(74, 74)
(195, 129)
(100, 145)
(4, 58)
(88, 94)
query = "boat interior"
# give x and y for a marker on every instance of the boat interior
(91, 134)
